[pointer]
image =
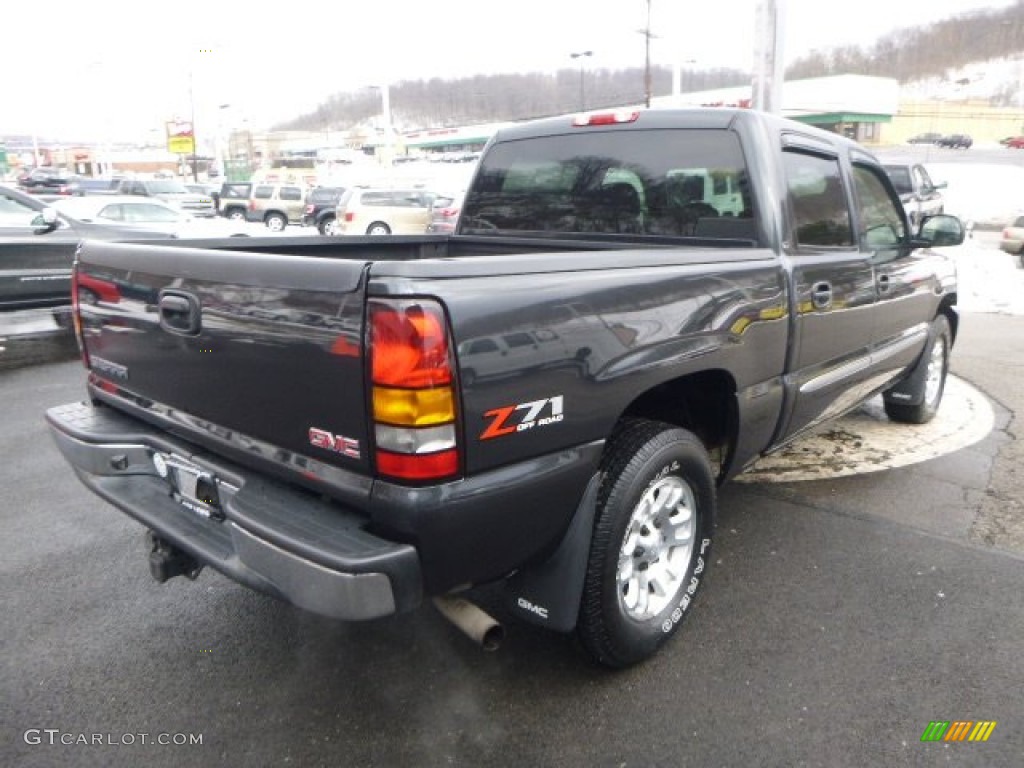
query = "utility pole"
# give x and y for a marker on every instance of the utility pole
(768, 55)
(647, 58)
(582, 55)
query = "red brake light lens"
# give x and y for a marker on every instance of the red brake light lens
(605, 118)
(76, 318)
(419, 466)
(410, 345)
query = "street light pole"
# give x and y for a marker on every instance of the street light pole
(192, 107)
(582, 55)
(646, 32)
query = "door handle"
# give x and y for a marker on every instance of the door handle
(179, 313)
(821, 295)
(883, 284)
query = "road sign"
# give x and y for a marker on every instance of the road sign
(181, 139)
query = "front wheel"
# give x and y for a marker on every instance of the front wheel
(378, 228)
(919, 402)
(276, 222)
(652, 533)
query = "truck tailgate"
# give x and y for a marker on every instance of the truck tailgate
(258, 350)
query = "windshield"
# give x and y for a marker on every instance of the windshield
(900, 176)
(167, 187)
(325, 195)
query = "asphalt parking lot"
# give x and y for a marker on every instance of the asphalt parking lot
(841, 617)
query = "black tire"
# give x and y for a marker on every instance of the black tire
(378, 228)
(326, 225)
(927, 390)
(276, 222)
(652, 473)
(236, 214)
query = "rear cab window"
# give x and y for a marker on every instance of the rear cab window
(657, 182)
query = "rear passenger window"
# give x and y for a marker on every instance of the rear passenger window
(518, 339)
(263, 193)
(376, 198)
(820, 210)
(291, 193)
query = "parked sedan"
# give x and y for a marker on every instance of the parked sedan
(955, 141)
(145, 216)
(54, 181)
(924, 138)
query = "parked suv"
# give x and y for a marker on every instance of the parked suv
(321, 209)
(276, 205)
(373, 211)
(234, 199)
(170, 191)
(955, 141)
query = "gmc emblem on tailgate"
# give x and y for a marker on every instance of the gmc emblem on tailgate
(346, 446)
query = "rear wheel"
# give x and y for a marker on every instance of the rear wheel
(652, 532)
(328, 226)
(927, 389)
(378, 228)
(236, 214)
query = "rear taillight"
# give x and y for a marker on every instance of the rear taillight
(76, 317)
(349, 216)
(414, 413)
(252, 205)
(449, 212)
(310, 209)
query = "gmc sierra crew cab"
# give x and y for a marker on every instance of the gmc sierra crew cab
(634, 307)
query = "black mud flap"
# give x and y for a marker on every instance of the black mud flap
(549, 593)
(910, 390)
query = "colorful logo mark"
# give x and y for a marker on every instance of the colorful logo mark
(958, 730)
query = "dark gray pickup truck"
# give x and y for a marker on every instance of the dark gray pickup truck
(633, 308)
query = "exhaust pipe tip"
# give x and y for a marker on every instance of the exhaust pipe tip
(473, 621)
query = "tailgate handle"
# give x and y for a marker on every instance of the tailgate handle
(179, 312)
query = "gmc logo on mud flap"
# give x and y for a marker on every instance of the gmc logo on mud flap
(346, 446)
(508, 420)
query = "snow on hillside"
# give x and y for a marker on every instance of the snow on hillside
(998, 80)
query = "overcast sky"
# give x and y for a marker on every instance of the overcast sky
(94, 67)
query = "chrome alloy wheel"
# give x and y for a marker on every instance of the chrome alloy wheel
(656, 548)
(934, 375)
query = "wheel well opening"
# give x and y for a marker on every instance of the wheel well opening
(947, 308)
(703, 403)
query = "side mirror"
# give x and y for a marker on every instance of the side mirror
(45, 222)
(939, 231)
(940, 185)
